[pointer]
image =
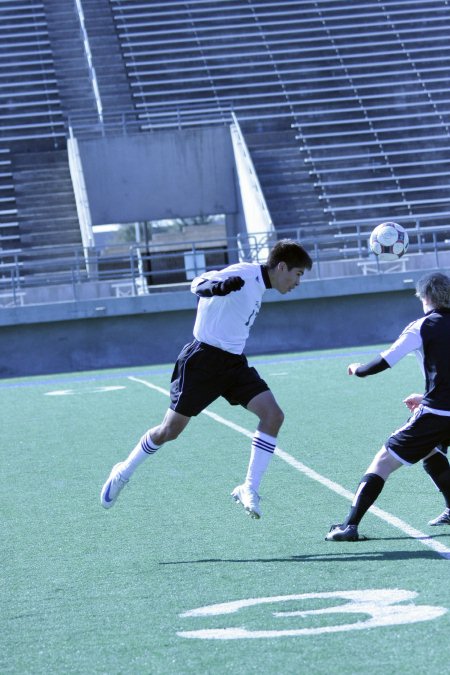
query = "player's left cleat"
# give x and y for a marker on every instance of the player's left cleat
(112, 487)
(249, 499)
(443, 519)
(341, 533)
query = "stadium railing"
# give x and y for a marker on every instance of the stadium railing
(74, 273)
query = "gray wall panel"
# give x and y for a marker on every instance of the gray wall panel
(156, 336)
(161, 175)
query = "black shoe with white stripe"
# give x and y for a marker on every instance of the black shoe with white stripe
(343, 533)
(443, 519)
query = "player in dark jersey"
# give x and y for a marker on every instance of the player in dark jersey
(214, 365)
(428, 429)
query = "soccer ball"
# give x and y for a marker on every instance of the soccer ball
(389, 241)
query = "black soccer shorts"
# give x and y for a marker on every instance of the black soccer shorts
(423, 432)
(202, 373)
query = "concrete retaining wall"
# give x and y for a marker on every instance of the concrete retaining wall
(143, 330)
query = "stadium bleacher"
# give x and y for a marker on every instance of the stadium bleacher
(28, 84)
(344, 105)
(32, 121)
(363, 84)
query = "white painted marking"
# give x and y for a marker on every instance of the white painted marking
(150, 385)
(82, 392)
(392, 520)
(381, 606)
(101, 390)
(60, 392)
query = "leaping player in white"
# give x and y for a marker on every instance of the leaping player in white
(214, 365)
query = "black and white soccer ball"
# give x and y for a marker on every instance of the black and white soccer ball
(389, 241)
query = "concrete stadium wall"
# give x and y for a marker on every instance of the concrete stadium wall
(166, 174)
(121, 332)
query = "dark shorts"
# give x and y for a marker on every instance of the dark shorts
(422, 433)
(203, 373)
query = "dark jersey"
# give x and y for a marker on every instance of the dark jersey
(429, 338)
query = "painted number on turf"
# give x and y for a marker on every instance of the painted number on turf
(379, 605)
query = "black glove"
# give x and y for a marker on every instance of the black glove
(227, 286)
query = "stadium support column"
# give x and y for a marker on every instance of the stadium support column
(82, 203)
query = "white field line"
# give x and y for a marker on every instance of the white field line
(426, 540)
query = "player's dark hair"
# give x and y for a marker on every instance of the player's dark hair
(290, 252)
(434, 287)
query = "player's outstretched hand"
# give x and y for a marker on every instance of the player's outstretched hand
(352, 367)
(413, 401)
(229, 285)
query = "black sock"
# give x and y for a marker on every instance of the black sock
(438, 468)
(443, 483)
(368, 490)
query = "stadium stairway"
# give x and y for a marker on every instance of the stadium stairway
(113, 83)
(46, 210)
(76, 94)
(291, 199)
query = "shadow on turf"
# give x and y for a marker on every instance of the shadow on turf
(321, 557)
(334, 555)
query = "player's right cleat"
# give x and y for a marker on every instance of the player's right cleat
(443, 519)
(249, 499)
(112, 487)
(341, 533)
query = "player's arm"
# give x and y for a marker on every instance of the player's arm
(377, 365)
(207, 288)
(410, 340)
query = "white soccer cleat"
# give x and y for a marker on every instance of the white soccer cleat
(112, 487)
(249, 499)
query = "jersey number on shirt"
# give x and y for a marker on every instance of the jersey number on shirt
(249, 321)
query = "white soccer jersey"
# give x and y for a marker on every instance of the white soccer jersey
(225, 322)
(409, 341)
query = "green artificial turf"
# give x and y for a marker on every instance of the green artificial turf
(86, 590)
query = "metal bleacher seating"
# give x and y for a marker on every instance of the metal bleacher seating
(9, 235)
(344, 105)
(376, 137)
(196, 60)
(31, 120)
(28, 85)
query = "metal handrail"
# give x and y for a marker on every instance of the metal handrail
(164, 265)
